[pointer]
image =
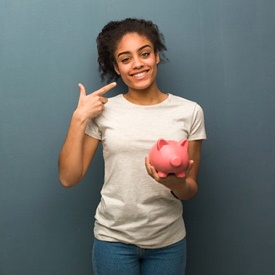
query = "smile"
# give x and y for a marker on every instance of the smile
(140, 75)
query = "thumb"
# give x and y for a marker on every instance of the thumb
(190, 165)
(82, 90)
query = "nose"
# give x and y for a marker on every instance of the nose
(137, 64)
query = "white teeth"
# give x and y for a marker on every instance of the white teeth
(139, 75)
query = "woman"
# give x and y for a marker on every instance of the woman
(139, 227)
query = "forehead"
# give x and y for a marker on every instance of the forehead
(132, 42)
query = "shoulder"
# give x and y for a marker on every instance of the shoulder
(115, 102)
(184, 103)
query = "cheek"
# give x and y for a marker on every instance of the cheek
(153, 62)
(122, 70)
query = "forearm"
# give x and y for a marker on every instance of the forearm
(70, 162)
(186, 190)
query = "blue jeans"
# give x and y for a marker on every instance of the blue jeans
(125, 259)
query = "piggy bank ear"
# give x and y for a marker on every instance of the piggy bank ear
(161, 142)
(184, 143)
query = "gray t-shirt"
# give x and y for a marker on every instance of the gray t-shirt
(134, 208)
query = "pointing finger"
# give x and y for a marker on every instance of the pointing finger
(105, 89)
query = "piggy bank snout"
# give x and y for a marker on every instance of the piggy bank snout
(175, 161)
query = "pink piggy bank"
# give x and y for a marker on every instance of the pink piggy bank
(169, 157)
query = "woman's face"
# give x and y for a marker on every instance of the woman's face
(136, 61)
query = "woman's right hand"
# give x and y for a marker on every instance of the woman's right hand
(78, 149)
(92, 105)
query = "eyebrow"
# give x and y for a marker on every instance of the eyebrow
(140, 49)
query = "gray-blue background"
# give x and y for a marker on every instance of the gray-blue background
(222, 55)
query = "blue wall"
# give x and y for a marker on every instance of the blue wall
(222, 54)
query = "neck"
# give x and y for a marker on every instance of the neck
(149, 96)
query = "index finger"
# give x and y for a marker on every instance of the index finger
(105, 89)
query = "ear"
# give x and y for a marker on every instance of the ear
(161, 142)
(157, 58)
(116, 69)
(184, 143)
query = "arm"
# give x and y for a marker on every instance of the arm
(79, 149)
(184, 188)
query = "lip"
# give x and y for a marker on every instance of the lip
(140, 75)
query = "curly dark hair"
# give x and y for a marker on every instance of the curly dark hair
(113, 32)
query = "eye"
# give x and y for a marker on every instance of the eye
(145, 54)
(125, 60)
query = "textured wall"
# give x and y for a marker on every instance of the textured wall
(222, 55)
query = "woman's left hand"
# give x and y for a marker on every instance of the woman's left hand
(184, 188)
(171, 181)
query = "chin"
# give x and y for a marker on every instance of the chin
(141, 85)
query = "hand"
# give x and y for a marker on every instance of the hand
(92, 105)
(171, 181)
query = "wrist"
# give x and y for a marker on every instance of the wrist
(79, 118)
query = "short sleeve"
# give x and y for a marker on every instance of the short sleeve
(93, 130)
(197, 127)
